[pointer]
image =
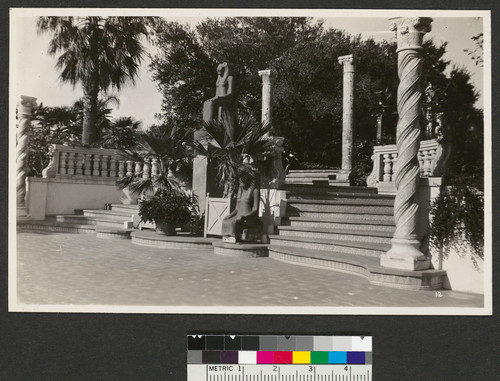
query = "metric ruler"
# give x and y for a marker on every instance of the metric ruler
(279, 358)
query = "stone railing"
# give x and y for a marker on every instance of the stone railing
(95, 163)
(431, 158)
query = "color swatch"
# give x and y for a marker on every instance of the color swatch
(267, 349)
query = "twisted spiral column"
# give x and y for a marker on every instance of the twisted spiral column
(405, 251)
(24, 109)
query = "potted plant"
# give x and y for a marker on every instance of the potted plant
(168, 209)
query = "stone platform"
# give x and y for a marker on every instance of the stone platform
(241, 249)
(365, 266)
(113, 233)
(180, 241)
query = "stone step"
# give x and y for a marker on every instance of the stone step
(368, 267)
(297, 209)
(134, 208)
(376, 218)
(346, 222)
(315, 180)
(109, 215)
(103, 222)
(72, 219)
(179, 241)
(308, 177)
(345, 200)
(375, 236)
(329, 171)
(113, 233)
(326, 189)
(341, 246)
(54, 226)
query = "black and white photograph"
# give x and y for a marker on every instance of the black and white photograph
(250, 161)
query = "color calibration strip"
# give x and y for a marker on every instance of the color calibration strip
(290, 358)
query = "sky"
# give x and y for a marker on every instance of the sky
(33, 71)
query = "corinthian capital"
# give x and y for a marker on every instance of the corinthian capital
(347, 62)
(25, 105)
(266, 76)
(410, 31)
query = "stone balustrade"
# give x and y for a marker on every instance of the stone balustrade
(95, 163)
(430, 155)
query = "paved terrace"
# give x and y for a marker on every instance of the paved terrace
(62, 268)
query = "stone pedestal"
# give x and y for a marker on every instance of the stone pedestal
(24, 111)
(347, 114)
(405, 251)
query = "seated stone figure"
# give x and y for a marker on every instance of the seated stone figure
(243, 223)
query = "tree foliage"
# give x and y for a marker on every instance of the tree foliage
(307, 78)
(63, 125)
(97, 52)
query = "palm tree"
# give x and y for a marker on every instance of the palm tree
(169, 146)
(98, 52)
(248, 153)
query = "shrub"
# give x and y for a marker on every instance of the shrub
(167, 206)
(458, 212)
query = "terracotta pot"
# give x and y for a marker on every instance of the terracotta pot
(166, 228)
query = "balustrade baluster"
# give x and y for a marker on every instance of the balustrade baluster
(387, 167)
(146, 170)
(394, 160)
(427, 156)
(71, 163)
(104, 165)
(95, 168)
(121, 168)
(62, 163)
(138, 169)
(80, 162)
(154, 165)
(87, 165)
(130, 168)
(420, 157)
(113, 162)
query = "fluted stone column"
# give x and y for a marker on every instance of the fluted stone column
(266, 95)
(347, 112)
(405, 251)
(24, 111)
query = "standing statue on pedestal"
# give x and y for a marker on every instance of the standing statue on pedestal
(223, 105)
(243, 223)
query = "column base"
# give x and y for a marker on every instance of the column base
(342, 174)
(405, 255)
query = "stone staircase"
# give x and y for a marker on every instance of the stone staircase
(316, 176)
(345, 229)
(100, 221)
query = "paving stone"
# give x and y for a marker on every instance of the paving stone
(61, 268)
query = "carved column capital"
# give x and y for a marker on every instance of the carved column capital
(347, 62)
(266, 76)
(25, 105)
(410, 31)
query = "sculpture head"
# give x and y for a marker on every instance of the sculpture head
(223, 69)
(246, 179)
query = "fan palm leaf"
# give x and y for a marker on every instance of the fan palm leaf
(97, 52)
